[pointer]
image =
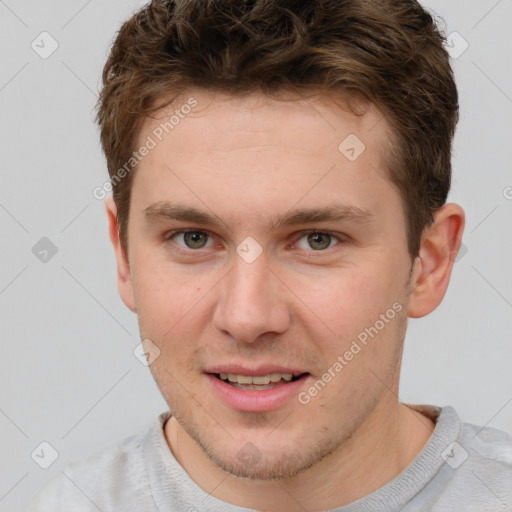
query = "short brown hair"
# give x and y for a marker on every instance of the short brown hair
(390, 52)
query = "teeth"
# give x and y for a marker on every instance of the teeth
(261, 380)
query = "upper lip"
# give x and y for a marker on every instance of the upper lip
(258, 371)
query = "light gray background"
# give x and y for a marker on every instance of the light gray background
(68, 375)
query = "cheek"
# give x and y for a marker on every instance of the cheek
(170, 300)
(347, 300)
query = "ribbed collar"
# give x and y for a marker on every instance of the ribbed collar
(173, 489)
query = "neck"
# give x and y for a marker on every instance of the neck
(383, 446)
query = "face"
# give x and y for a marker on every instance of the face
(266, 243)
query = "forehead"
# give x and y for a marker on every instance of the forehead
(269, 153)
(311, 125)
(316, 114)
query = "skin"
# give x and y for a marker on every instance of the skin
(246, 160)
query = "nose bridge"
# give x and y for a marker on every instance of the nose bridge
(248, 285)
(250, 302)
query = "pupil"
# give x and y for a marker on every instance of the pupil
(319, 241)
(195, 239)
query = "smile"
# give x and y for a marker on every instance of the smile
(256, 393)
(259, 382)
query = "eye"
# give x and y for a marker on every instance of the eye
(317, 240)
(190, 239)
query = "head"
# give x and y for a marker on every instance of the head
(280, 173)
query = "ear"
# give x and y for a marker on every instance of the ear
(124, 276)
(433, 266)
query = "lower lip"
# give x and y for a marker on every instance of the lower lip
(256, 401)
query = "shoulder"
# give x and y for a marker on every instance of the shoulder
(489, 453)
(113, 477)
(462, 467)
(488, 442)
(479, 467)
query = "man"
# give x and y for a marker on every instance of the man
(280, 174)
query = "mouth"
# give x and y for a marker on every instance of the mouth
(265, 390)
(258, 382)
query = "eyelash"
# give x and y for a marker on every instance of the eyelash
(179, 249)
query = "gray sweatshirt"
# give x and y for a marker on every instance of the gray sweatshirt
(462, 468)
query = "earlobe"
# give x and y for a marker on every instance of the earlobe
(124, 276)
(433, 266)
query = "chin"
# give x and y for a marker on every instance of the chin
(269, 466)
(258, 458)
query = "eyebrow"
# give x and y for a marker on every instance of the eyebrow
(172, 211)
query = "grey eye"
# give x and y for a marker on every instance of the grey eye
(319, 241)
(192, 239)
(195, 239)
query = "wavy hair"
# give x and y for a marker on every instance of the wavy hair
(389, 52)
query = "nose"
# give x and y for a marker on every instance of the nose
(252, 302)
